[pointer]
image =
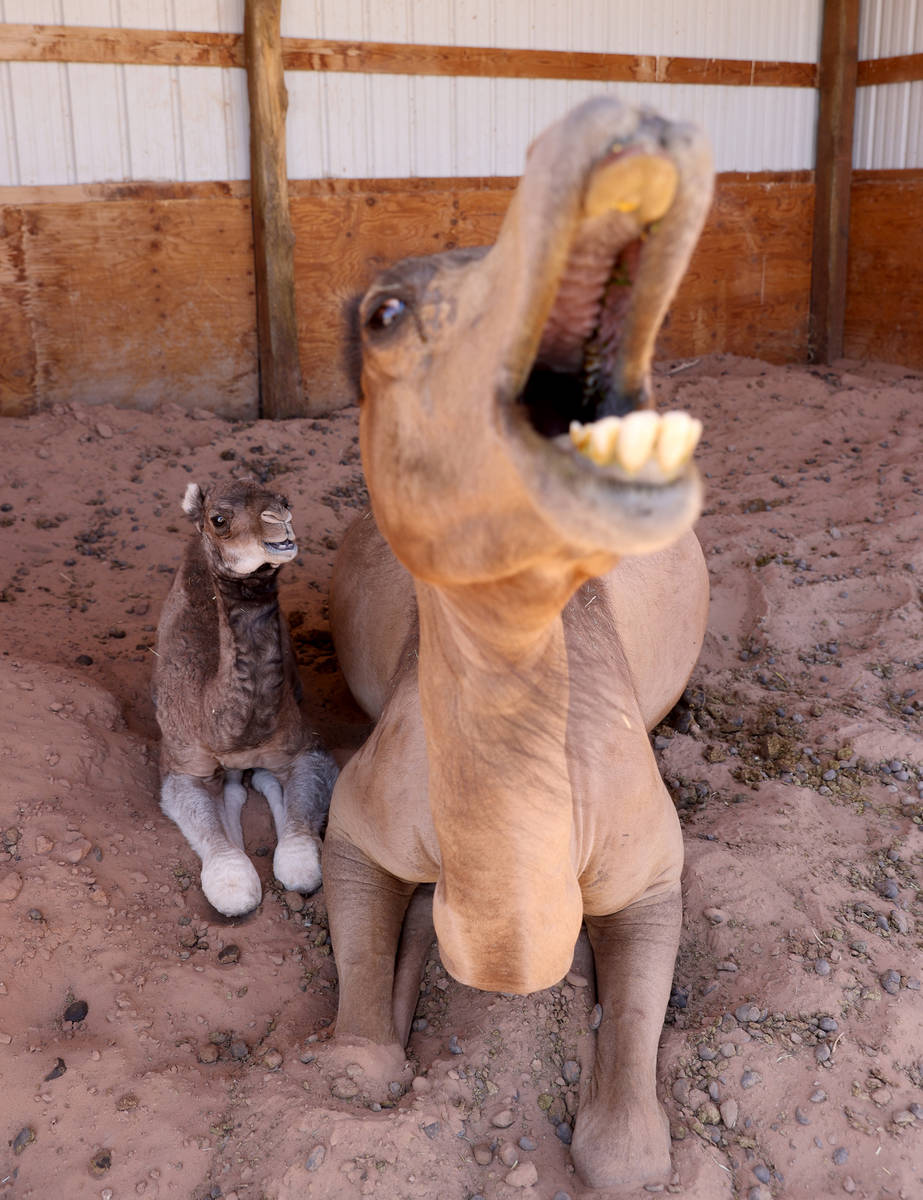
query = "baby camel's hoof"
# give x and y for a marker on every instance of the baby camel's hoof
(296, 862)
(231, 884)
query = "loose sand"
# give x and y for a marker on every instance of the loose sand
(794, 764)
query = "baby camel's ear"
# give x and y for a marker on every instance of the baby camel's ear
(193, 501)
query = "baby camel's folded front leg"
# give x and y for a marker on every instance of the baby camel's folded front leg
(209, 818)
(299, 798)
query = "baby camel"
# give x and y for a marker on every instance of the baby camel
(226, 688)
(528, 601)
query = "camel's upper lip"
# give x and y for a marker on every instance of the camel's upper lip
(622, 233)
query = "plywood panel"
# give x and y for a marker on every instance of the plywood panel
(130, 302)
(884, 297)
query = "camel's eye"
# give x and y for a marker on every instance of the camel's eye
(219, 521)
(387, 313)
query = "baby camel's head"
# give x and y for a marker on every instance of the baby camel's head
(244, 526)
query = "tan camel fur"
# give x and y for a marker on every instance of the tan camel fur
(227, 691)
(506, 632)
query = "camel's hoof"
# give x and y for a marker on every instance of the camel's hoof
(296, 862)
(369, 1069)
(231, 884)
(621, 1150)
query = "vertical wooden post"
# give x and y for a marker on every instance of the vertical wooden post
(281, 392)
(836, 82)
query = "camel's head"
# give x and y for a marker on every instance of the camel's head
(507, 413)
(245, 528)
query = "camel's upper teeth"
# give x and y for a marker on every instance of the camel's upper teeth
(644, 445)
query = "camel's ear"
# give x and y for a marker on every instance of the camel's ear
(193, 501)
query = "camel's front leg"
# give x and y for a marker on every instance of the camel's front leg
(211, 825)
(622, 1135)
(299, 803)
(365, 908)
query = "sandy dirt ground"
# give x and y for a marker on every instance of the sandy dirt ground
(150, 1048)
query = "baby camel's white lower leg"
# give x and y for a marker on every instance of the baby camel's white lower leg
(299, 808)
(211, 826)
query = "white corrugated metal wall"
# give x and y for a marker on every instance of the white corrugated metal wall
(88, 123)
(889, 117)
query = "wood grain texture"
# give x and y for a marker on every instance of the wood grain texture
(903, 68)
(281, 390)
(884, 296)
(128, 302)
(837, 72)
(143, 299)
(69, 43)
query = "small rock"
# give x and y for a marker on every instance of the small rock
(706, 1053)
(802, 1117)
(822, 1052)
(828, 1025)
(455, 1047)
(43, 845)
(432, 1130)
(904, 1117)
(229, 954)
(526, 1143)
(316, 1158)
(849, 1184)
(56, 1071)
(729, 1112)
(750, 1079)
(522, 1176)
(762, 1172)
(344, 1088)
(77, 851)
(508, 1154)
(758, 1193)
(239, 1049)
(503, 1119)
(840, 1155)
(561, 1196)
(272, 1060)
(24, 1138)
(576, 980)
(421, 1085)
(104, 430)
(77, 1011)
(881, 1095)
(571, 1071)
(708, 1113)
(10, 887)
(890, 980)
(564, 1132)
(717, 916)
(822, 966)
(208, 1053)
(680, 1090)
(596, 1016)
(745, 1013)
(483, 1155)
(818, 1096)
(294, 901)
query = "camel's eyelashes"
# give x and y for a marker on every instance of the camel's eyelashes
(386, 314)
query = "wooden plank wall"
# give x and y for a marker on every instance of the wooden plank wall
(884, 295)
(101, 286)
(99, 297)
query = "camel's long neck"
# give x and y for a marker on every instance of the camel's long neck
(251, 661)
(494, 691)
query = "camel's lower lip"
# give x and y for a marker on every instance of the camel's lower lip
(286, 547)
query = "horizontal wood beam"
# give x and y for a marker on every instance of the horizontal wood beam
(903, 68)
(145, 47)
(239, 189)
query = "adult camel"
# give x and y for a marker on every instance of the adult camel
(526, 604)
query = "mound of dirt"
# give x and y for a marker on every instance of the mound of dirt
(150, 1047)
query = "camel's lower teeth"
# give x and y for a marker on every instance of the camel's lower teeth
(642, 444)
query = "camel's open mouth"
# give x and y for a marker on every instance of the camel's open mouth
(287, 547)
(580, 394)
